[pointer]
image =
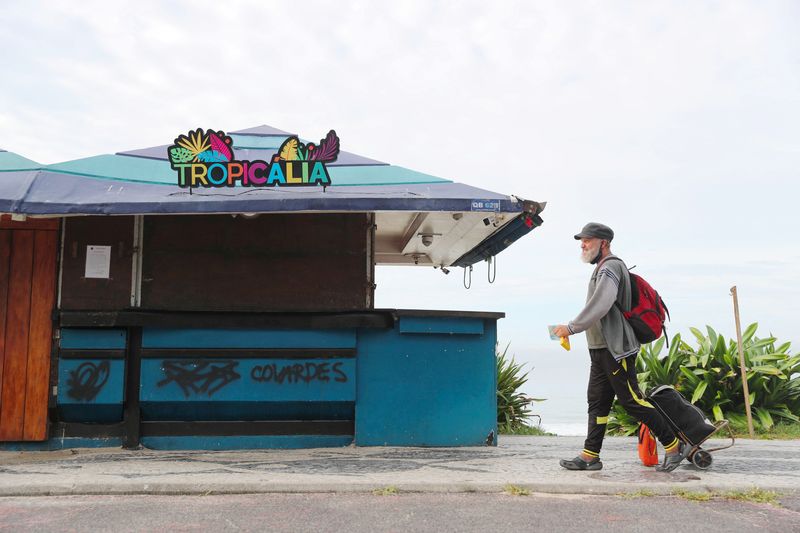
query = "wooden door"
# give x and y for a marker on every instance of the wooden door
(27, 298)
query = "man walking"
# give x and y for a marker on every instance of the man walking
(613, 349)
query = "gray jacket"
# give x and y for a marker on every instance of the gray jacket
(609, 283)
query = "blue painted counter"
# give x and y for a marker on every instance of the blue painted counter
(91, 375)
(425, 378)
(427, 382)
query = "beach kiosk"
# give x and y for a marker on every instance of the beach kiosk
(217, 293)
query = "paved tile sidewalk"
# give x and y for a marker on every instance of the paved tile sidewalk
(529, 462)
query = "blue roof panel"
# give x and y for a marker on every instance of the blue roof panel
(57, 193)
(263, 130)
(14, 185)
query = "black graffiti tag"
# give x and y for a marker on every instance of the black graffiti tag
(86, 381)
(199, 376)
(297, 373)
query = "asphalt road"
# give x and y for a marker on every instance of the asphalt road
(401, 512)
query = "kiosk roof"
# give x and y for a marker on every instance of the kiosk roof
(421, 219)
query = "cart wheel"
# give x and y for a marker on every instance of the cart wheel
(702, 459)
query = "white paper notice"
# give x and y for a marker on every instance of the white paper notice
(98, 261)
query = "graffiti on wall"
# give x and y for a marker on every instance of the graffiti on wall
(206, 377)
(298, 373)
(199, 376)
(86, 381)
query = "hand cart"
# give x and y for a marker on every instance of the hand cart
(689, 423)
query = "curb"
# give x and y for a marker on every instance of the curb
(195, 489)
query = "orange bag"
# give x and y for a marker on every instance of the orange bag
(648, 450)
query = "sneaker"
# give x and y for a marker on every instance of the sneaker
(579, 464)
(671, 461)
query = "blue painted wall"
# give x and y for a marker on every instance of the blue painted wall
(93, 339)
(248, 389)
(445, 325)
(426, 389)
(429, 381)
(247, 442)
(91, 389)
(247, 338)
(262, 410)
(243, 380)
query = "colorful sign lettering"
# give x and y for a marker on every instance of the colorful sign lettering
(206, 159)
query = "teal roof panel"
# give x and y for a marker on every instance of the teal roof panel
(120, 168)
(156, 171)
(10, 161)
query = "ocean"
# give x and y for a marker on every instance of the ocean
(561, 378)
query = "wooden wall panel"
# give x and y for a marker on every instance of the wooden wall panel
(5, 260)
(40, 335)
(80, 293)
(12, 404)
(31, 223)
(275, 262)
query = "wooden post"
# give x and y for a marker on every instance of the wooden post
(741, 362)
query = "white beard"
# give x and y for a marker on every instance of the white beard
(588, 255)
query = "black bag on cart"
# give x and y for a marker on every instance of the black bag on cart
(687, 420)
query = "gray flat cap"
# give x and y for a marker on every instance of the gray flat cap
(597, 230)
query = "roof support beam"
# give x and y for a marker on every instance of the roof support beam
(411, 231)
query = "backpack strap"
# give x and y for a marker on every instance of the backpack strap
(666, 309)
(614, 258)
(610, 258)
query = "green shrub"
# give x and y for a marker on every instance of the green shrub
(709, 376)
(512, 405)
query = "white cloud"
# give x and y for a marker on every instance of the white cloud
(675, 123)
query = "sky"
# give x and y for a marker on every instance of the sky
(675, 123)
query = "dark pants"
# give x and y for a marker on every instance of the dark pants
(608, 378)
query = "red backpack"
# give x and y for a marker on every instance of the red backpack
(648, 311)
